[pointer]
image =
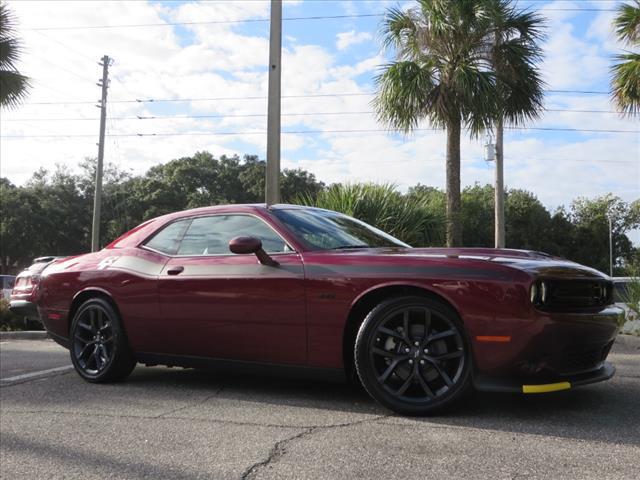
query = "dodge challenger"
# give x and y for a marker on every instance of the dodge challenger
(319, 292)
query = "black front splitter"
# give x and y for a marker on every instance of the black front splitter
(485, 383)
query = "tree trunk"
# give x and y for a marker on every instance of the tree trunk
(454, 224)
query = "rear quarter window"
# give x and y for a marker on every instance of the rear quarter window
(168, 239)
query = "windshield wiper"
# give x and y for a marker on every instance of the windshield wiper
(345, 247)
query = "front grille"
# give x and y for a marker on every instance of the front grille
(582, 359)
(577, 294)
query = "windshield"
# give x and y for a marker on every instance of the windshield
(326, 230)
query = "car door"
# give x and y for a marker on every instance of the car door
(221, 305)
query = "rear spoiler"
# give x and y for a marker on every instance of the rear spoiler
(40, 263)
(48, 259)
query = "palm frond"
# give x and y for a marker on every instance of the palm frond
(627, 23)
(13, 88)
(9, 53)
(625, 83)
(404, 88)
(13, 85)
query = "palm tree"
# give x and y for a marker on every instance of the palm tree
(13, 85)
(625, 81)
(459, 63)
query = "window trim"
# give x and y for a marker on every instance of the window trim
(143, 244)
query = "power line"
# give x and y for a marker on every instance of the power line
(264, 20)
(310, 132)
(71, 49)
(205, 22)
(251, 115)
(262, 97)
(60, 67)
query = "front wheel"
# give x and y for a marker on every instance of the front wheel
(99, 349)
(412, 355)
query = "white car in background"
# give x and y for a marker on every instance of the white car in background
(6, 282)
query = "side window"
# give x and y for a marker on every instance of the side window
(168, 239)
(211, 235)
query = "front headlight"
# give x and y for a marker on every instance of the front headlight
(543, 292)
(539, 293)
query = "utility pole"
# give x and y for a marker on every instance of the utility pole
(97, 196)
(272, 183)
(499, 187)
(610, 245)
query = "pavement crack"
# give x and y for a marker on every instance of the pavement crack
(280, 447)
(185, 407)
(278, 450)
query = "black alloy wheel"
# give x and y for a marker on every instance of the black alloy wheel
(99, 350)
(412, 355)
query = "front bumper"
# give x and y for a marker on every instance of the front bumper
(547, 346)
(24, 308)
(525, 385)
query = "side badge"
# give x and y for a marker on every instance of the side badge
(106, 263)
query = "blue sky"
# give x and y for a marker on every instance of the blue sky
(320, 57)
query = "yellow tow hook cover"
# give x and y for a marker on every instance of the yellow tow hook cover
(547, 387)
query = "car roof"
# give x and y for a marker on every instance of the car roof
(142, 231)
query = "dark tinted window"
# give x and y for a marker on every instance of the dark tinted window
(326, 230)
(211, 235)
(168, 239)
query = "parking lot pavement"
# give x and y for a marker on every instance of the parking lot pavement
(22, 359)
(186, 424)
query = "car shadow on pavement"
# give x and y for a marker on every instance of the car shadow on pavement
(117, 468)
(601, 412)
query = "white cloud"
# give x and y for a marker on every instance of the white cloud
(345, 39)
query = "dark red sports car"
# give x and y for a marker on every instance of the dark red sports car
(310, 288)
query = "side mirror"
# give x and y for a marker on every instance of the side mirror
(246, 245)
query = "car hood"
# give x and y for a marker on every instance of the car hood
(535, 263)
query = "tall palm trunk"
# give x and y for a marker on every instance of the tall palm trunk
(454, 227)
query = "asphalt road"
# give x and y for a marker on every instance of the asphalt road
(184, 424)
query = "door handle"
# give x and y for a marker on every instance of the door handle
(175, 270)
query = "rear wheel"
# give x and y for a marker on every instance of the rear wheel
(412, 355)
(99, 349)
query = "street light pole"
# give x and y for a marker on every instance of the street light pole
(272, 182)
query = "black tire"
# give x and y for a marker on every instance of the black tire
(98, 345)
(420, 372)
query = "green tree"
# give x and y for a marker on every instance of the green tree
(13, 85)
(625, 74)
(433, 201)
(590, 218)
(459, 63)
(477, 215)
(293, 182)
(528, 222)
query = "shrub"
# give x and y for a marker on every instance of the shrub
(9, 320)
(404, 217)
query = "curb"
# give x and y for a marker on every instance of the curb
(24, 335)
